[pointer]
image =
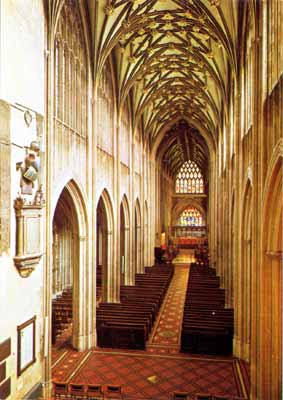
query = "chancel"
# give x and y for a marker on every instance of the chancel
(141, 146)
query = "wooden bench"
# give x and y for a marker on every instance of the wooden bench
(207, 326)
(128, 324)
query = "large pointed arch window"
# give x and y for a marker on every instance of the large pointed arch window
(191, 217)
(105, 113)
(189, 179)
(70, 71)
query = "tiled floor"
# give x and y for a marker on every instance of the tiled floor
(157, 377)
(156, 373)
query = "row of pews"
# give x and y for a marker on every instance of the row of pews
(207, 324)
(128, 324)
(62, 307)
(61, 313)
(80, 391)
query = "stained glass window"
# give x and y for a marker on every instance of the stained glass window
(190, 217)
(189, 179)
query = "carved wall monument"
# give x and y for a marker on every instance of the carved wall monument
(29, 168)
(28, 233)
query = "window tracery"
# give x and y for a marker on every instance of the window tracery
(125, 136)
(189, 179)
(105, 115)
(191, 217)
(70, 68)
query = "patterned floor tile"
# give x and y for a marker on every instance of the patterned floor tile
(167, 369)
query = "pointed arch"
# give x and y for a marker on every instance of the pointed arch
(232, 277)
(137, 237)
(105, 245)
(126, 207)
(70, 247)
(245, 274)
(189, 179)
(183, 204)
(270, 311)
(125, 241)
(108, 203)
(146, 234)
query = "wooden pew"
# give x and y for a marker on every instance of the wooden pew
(128, 324)
(207, 325)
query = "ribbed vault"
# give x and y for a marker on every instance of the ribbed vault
(171, 56)
(181, 143)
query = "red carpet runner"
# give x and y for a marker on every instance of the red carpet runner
(167, 333)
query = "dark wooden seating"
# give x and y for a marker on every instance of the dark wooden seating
(180, 396)
(61, 390)
(203, 396)
(207, 325)
(94, 392)
(129, 323)
(77, 391)
(113, 392)
(61, 313)
(81, 391)
(158, 254)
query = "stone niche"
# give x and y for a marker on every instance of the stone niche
(28, 234)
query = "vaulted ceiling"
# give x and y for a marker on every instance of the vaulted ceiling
(172, 59)
(182, 143)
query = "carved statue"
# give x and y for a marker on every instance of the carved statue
(29, 168)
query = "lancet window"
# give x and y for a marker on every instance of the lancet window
(70, 69)
(105, 115)
(125, 136)
(189, 179)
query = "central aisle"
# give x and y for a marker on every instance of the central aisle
(166, 335)
(148, 375)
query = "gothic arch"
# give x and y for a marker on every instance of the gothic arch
(67, 179)
(125, 240)
(182, 205)
(245, 273)
(146, 234)
(105, 245)
(53, 18)
(70, 218)
(137, 237)
(232, 276)
(270, 311)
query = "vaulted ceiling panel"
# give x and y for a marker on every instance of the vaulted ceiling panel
(172, 56)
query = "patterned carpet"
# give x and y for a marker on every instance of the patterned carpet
(147, 376)
(167, 333)
(154, 374)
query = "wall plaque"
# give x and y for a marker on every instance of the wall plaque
(26, 345)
